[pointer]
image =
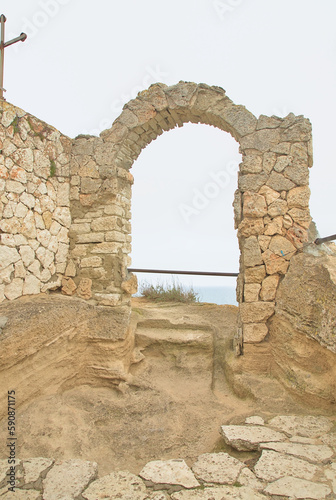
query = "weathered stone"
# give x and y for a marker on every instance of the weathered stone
(254, 333)
(269, 162)
(256, 312)
(282, 246)
(329, 439)
(269, 287)
(300, 131)
(278, 207)
(218, 468)
(301, 425)
(11, 226)
(251, 292)
(130, 286)
(19, 494)
(330, 473)
(312, 453)
(279, 183)
(264, 242)
(274, 264)
(31, 285)
(251, 252)
(254, 205)
(220, 493)
(34, 467)
(68, 286)
(252, 164)
(298, 197)
(251, 226)
(117, 485)
(14, 187)
(262, 140)
(273, 465)
(84, 288)
(8, 256)
(270, 194)
(300, 216)
(282, 162)
(298, 173)
(249, 437)
(251, 182)
(255, 274)
(298, 488)
(68, 478)
(62, 215)
(14, 289)
(173, 472)
(248, 478)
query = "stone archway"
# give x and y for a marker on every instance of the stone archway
(271, 204)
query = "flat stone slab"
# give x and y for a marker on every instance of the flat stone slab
(218, 468)
(330, 473)
(118, 485)
(307, 426)
(220, 493)
(34, 467)
(248, 478)
(68, 478)
(329, 439)
(248, 437)
(273, 465)
(298, 488)
(3, 469)
(310, 452)
(170, 472)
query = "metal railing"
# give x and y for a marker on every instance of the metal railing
(166, 271)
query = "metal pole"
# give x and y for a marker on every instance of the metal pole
(2, 54)
(318, 241)
(196, 273)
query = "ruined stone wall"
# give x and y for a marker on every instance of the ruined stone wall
(34, 204)
(271, 203)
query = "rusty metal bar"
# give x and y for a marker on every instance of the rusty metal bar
(20, 38)
(196, 273)
(318, 241)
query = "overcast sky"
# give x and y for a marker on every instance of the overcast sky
(83, 60)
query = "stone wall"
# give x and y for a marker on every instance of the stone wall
(271, 203)
(34, 204)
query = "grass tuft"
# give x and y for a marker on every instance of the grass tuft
(174, 292)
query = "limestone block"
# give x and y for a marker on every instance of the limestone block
(274, 226)
(63, 216)
(281, 246)
(90, 238)
(63, 195)
(63, 235)
(14, 289)
(251, 182)
(115, 236)
(8, 256)
(62, 253)
(53, 244)
(282, 162)
(301, 217)
(300, 131)
(84, 288)
(68, 478)
(273, 465)
(82, 228)
(298, 173)
(243, 438)
(297, 235)
(21, 495)
(262, 140)
(255, 420)
(270, 194)
(330, 473)
(28, 227)
(43, 236)
(31, 285)
(255, 274)
(46, 204)
(269, 160)
(251, 292)
(91, 262)
(218, 468)
(274, 264)
(27, 199)
(294, 487)
(269, 287)
(312, 453)
(41, 164)
(220, 493)
(256, 312)
(45, 257)
(20, 271)
(254, 332)
(115, 486)
(308, 426)
(130, 286)
(252, 164)
(279, 183)
(251, 227)
(68, 286)
(89, 169)
(278, 207)
(254, 205)
(39, 222)
(107, 247)
(251, 252)
(15, 187)
(264, 242)
(109, 223)
(6, 274)
(172, 472)
(108, 299)
(299, 197)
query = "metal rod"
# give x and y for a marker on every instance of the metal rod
(196, 273)
(2, 54)
(318, 241)
(20, 38)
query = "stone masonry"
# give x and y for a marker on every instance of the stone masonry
(50, 185)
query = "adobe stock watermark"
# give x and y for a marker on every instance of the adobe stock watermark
(224, 7)
(201, 198)
(152, 75)
(48, 10)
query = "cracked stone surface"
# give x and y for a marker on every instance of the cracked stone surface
(298, 488)
(249, 437)
(217, 468)
(172, 472)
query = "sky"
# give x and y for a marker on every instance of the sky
(83, 60)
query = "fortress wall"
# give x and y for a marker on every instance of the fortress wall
(34, 204)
